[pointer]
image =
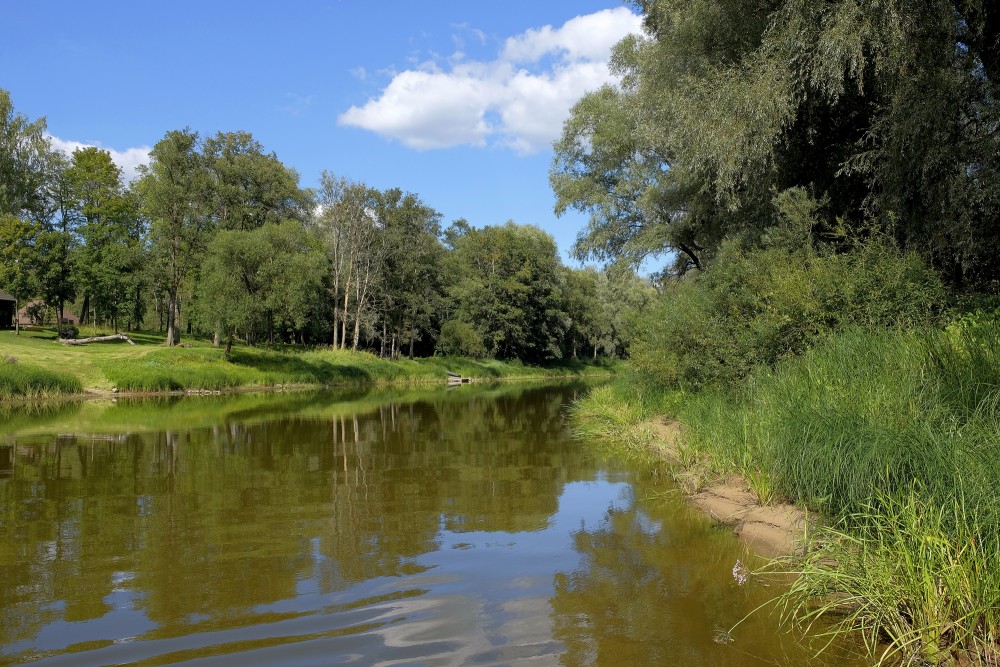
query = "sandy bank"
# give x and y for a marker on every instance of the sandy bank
(770, 530)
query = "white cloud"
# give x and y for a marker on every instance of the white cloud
(127, 160)
(520, 100)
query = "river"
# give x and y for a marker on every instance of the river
(432, 527)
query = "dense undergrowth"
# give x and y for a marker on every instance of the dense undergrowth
(828, 374)
(894, 437)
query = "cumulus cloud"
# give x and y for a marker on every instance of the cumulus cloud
(519, 100)
(127, 160)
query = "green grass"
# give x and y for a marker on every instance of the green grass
(894, 437)
(20, 380)
(150, 367)
(917, 580)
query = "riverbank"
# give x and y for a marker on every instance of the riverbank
(35, 365)
(893, 438)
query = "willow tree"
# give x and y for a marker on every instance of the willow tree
(885, 112)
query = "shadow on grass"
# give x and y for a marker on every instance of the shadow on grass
(294, 368)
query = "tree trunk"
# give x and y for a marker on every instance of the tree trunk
(229, 344)
(217, 339)
(96, 339)
(412, 336)
(17, 320)
(173, 317)
(85, 313)
(343, 324)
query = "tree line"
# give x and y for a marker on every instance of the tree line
(216, 237)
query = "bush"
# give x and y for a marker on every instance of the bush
(69, 331)
(755, 308)
(459, 338)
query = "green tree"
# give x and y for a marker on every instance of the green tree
(175, 194)
(356, 247)
(252, 281)
(109, 257)
(17, 259)
(250, 187)
(411, 289)
(886, 112)
(27, 164)
(504, 283)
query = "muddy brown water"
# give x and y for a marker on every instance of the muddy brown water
(461, 527)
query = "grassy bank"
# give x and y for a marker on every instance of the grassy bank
(895, 438)
(44, 367)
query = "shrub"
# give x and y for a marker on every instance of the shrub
(68, 330)
(459, 338)
(754, 308)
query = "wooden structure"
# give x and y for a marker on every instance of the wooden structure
(7, 305)
(455, 378)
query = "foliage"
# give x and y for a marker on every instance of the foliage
(218, 238)
(67, 330)
(504, 282)
(175, 191)
(105, 216)
(256, 280)
(753, 308)
(918, 580)
(26, 164)
(888, 112)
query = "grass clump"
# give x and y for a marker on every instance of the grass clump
(20, 380)
(842, 429)
(618, 413)
(918, 580)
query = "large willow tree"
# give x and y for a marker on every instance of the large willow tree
(886, 112)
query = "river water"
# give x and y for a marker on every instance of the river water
(461, 527)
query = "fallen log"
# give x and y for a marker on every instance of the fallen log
(96, 339)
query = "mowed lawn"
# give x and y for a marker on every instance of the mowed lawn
(40, 347)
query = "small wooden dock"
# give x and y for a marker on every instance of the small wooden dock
(455, 378)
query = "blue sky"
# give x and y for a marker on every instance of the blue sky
(456, 101)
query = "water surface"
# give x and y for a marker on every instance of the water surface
(436, 528)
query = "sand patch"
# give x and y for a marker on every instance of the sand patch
(770, 530)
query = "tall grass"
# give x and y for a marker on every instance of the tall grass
(896, 436)
(617, 414)
(918, 580)
(20, 380)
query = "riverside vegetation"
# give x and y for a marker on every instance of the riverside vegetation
(857, 386)
(33, 366)
(825, 178)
